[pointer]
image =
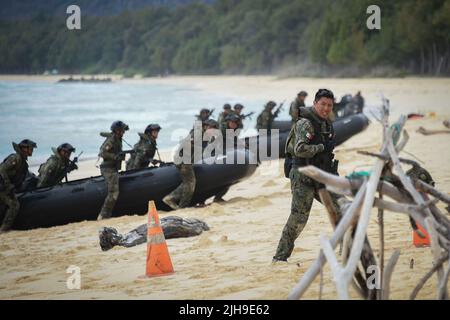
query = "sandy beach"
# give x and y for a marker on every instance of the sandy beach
(233, 259)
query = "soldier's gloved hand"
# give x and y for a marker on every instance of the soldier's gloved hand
(320, 147)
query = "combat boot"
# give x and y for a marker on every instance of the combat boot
(170, 202)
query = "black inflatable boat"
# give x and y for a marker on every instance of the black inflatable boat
(81, 200)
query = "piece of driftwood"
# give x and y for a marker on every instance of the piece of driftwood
(424, 187)
(381, 237)
(173, 227)
(427, 132)
(386, 278)
(341, 228)
(428, 275)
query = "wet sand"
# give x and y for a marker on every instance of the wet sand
(233, 259)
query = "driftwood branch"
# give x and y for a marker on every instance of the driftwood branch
(427, 132)
(427, 276)
(386, 279)
(341, 227)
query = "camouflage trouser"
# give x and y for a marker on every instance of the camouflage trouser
(112, 183)
(13, 206)
(303, 194)
(183, 194)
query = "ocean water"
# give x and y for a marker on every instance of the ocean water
(52, 113)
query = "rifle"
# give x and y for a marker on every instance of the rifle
(275, 114)
(249, 115)
(127, 152)
(162, 163)
(71, 166)
(211, 112)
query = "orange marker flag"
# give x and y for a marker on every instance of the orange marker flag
(158, 258)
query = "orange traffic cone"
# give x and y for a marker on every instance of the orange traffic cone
(158, 258)
(421, 242)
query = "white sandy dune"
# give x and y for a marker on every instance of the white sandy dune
(233, 259)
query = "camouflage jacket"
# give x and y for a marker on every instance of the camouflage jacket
(145, 150)
(265, 120)
(54, 170)
(298, 143)
(110, 151)
(13, 170)
(294, 109)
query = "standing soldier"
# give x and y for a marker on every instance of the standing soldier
(145, 149)
(359, 101)
(238, 111)
(13, 172)
(204, 115)
(112, 154)
(265, 118)
(310, 142)
(57, 167)
(226, 111)
(296, 105)
(181, 197)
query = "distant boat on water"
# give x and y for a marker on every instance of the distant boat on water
(85, 80)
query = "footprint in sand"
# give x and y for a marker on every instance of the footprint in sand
(260, 202)
(270, 183)
(26, 279)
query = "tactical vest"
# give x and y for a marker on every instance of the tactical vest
(17, 177)
(322, 160)
(116, 149)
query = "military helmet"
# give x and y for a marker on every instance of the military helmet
(205, 111)
(67, 147)
(271, 104)
(27, 143)
(227, 106)
(152, 127)
(232, 117)
(303, 94)
(212, 123)
(119, 125)
(238, 106)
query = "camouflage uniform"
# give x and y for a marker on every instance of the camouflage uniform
(306, 144)
(294, 109)
(145, 150)
(13, 172)
(265, 118)
(181, 197)
(111, 152)
(221, 120)
(54, 170)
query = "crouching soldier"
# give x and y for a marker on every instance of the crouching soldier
(13, 172)
(57, 167)
(112, 154)
(145, 149)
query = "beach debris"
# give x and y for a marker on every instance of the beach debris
(411, 196)
(446, 123)
(173, 227)
(427, 132)
(414, 116)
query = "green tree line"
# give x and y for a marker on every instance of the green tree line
(237, 37)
